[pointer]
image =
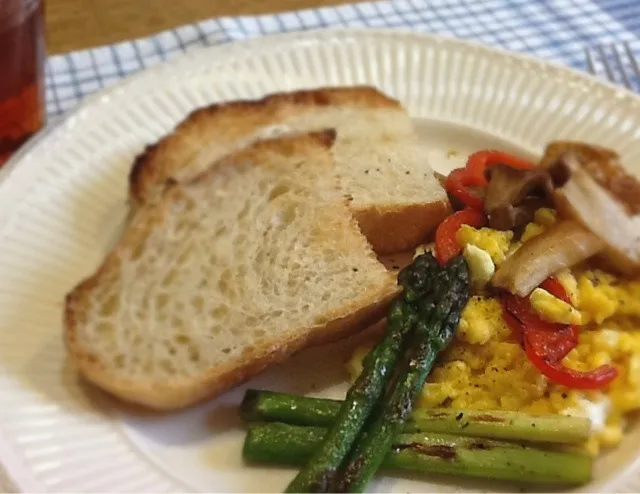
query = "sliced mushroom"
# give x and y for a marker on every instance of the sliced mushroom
(603, 165)
(508, 217)
(513, 195)
(600, 195)
(565, 244)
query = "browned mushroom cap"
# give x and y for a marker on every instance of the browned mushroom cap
(595, 194)
(565, 244)
(596, 199)
(513, 195)
(602, 165)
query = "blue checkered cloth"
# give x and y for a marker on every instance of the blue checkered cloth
(552, 29)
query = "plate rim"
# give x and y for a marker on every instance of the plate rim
(195, 52)
(272, 41)
(10, 459)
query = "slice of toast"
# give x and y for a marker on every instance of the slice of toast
(226, 274)
(382, 167)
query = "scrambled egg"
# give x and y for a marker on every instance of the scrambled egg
(570, 285)
(530, 231)
(496, 243)
(545, 217)
(552, 309)
(485, 368)
(480, 264)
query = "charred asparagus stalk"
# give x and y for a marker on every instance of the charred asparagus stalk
(319, 471)
(437, 322)
(285, 444)
(268, 406)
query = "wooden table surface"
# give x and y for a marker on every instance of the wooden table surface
(77, 24)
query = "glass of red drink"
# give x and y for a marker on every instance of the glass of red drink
(22, 58)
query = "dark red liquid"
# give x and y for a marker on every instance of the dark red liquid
(22, 55)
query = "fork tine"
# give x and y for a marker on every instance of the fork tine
(607, 66)
(634, 62)
(625, 77)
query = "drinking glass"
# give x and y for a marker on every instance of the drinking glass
(22, 59)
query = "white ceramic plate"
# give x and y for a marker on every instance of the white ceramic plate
(63, 200)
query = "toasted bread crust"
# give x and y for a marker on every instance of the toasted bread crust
(388, 227)
(233, 120)
(396, 228)
(179, 393)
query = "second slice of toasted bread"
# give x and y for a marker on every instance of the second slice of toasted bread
(225, 274)
(382, 167)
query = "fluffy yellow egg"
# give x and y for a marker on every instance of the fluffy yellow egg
(596, 303)
(496, 243)
(570, 285)
(532, 230)
(545, 217)
(481, 267)
(552, 309)
(480, 320)
(486, 368)
(602, 295)
(609, 436)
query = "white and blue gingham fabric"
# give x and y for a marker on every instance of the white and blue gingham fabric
(552, 29)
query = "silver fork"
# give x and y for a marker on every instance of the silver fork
(621, 68)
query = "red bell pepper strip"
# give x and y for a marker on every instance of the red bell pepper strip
(456, 185)
(562, 339)
(554, 345)
(550, 339)
(546, 344)
(473, 175)
(555, 288)
(479, 161)
(447, 246)
(558, 373)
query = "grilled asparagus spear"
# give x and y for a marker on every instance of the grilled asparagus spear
(438, 320)
(285, 444)
(269, 406)
(319, 471)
